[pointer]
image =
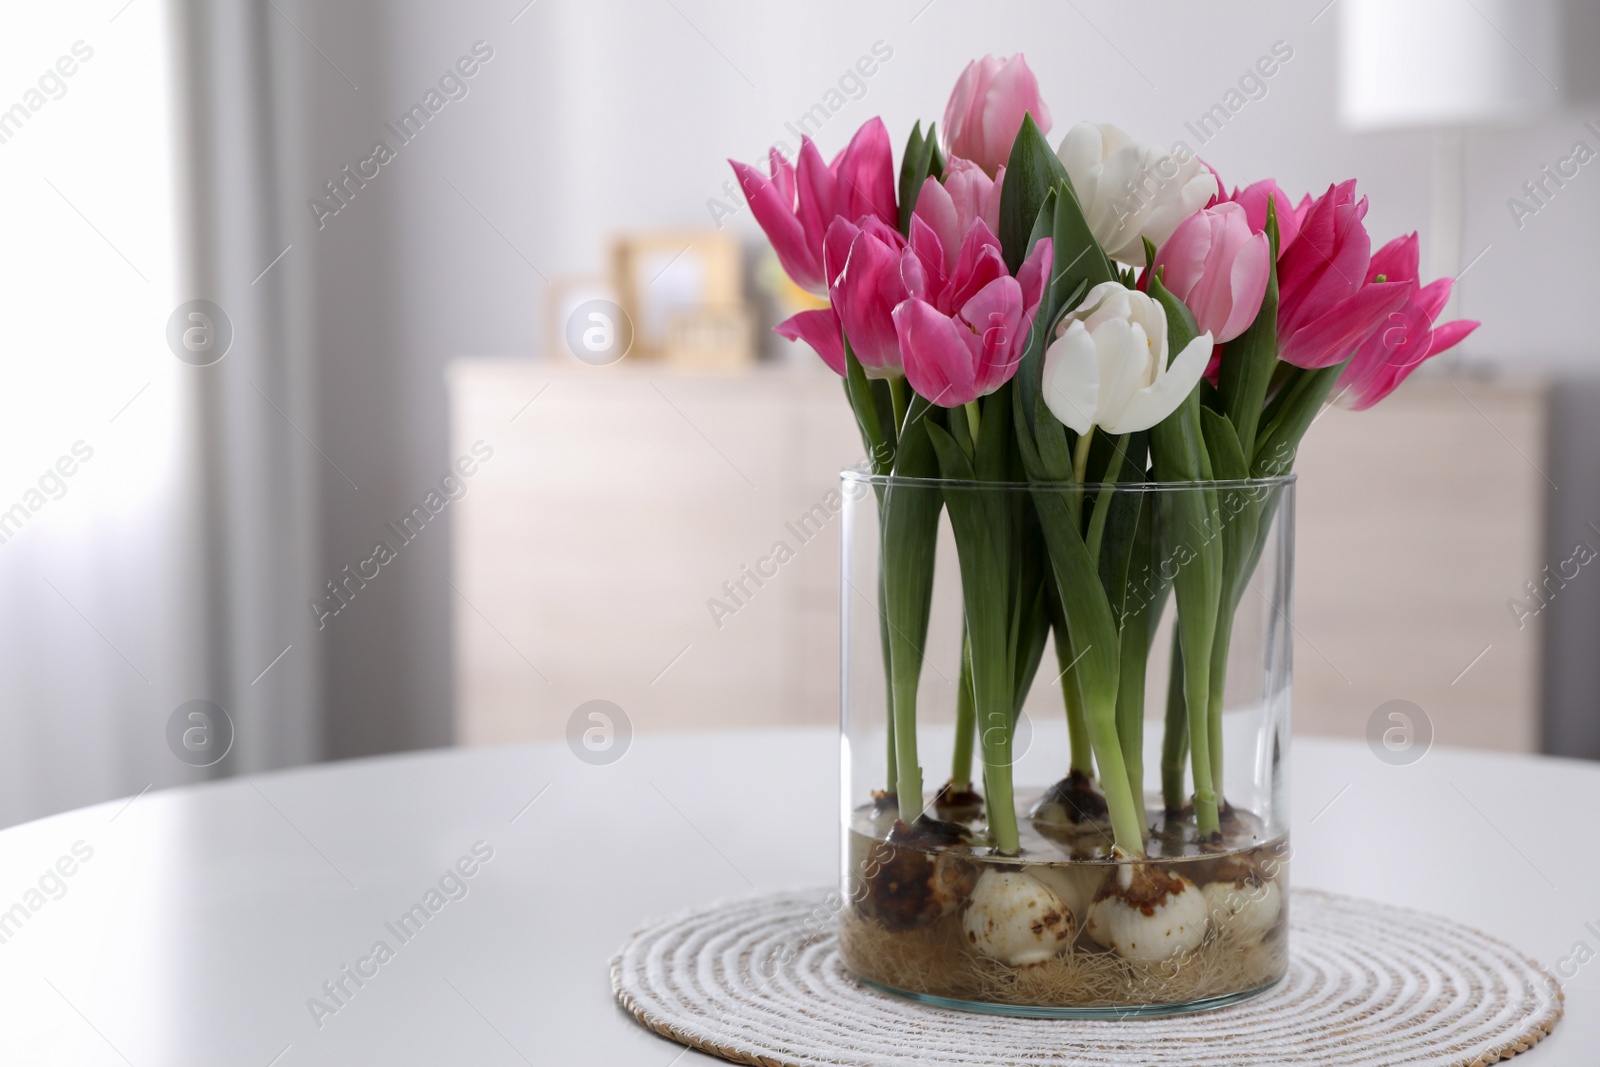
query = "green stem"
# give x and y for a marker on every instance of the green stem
(1127, 826)
(1197, 700)
(966, 720)
(892, 778)
(1077, 726)
(974, 419)
(1080, 455)
(908, 776)
(991, 677)
(1214, 702)
(1175, 740)
(897, 399)
(1102, 501)
(1130, 705)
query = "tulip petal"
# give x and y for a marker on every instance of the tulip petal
(1397, 261)
(815, 193)
(819, 329)
(1332, 338)
(1182, 259)
(979, 262)
(922, 266)
(1071, 378)
(865, 294)
(777, 220)
(1254, 201)
(1161, 398)
(1034, 274)
(994, 313)
(940, 355)
(864, 175)
(1123, 350)
(782, 172)
(1248, 281)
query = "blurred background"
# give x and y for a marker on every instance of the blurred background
(294, 419)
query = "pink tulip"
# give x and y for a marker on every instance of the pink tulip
(1215, 265)
(1408, 336)
(820, 330)
(1254, 201)
(795, 208)
(1327, 305)
(986, 109)
(962, 330)
(950, 207)
(865, 263)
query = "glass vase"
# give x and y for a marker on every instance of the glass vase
(1058, 858)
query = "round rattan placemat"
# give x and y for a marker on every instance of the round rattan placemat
(759, 981)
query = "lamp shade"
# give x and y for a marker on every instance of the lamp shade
(1410, 63)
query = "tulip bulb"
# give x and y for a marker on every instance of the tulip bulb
(1075, 883)
(1247, 909)
(1146, 915)
(1016, 919)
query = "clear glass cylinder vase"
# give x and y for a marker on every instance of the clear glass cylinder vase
(1017, 661)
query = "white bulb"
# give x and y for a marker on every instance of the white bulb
(1075, 883)
(1016, 919)
(1149, 915)
(1246, 910)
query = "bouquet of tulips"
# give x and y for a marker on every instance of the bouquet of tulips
(1096, 313)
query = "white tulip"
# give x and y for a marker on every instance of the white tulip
(1130, 191)
(1248, 910)
(1108, 365)
(1150, 916)
(1015, 919)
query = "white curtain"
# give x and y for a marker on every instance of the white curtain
(156, 515)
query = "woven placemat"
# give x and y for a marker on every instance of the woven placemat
(759, 981)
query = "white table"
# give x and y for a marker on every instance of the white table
(207, 917)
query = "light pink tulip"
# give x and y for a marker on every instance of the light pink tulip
(963, 329)
(795, 206)
(1215, 265)
(1254, 199)
(986, 109)
(1408, 336)
(951, 206)
(1327, 304)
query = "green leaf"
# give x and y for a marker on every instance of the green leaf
(1249, 360)
(981, 543)
(913, 169)
(1280, 441)
(1032, 364)
(1122, 519)
(858, 390)
(1079, 259)
(1227, 455)
(1031, 172)
(1238, 512)
(1187, 535)
(884, 402)
(910, 529)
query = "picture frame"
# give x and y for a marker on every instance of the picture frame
(669, 281)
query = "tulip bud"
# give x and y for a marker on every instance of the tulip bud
(1131, 191)
(1218, 268)
(986, 109)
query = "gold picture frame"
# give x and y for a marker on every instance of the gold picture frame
(677, 286)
